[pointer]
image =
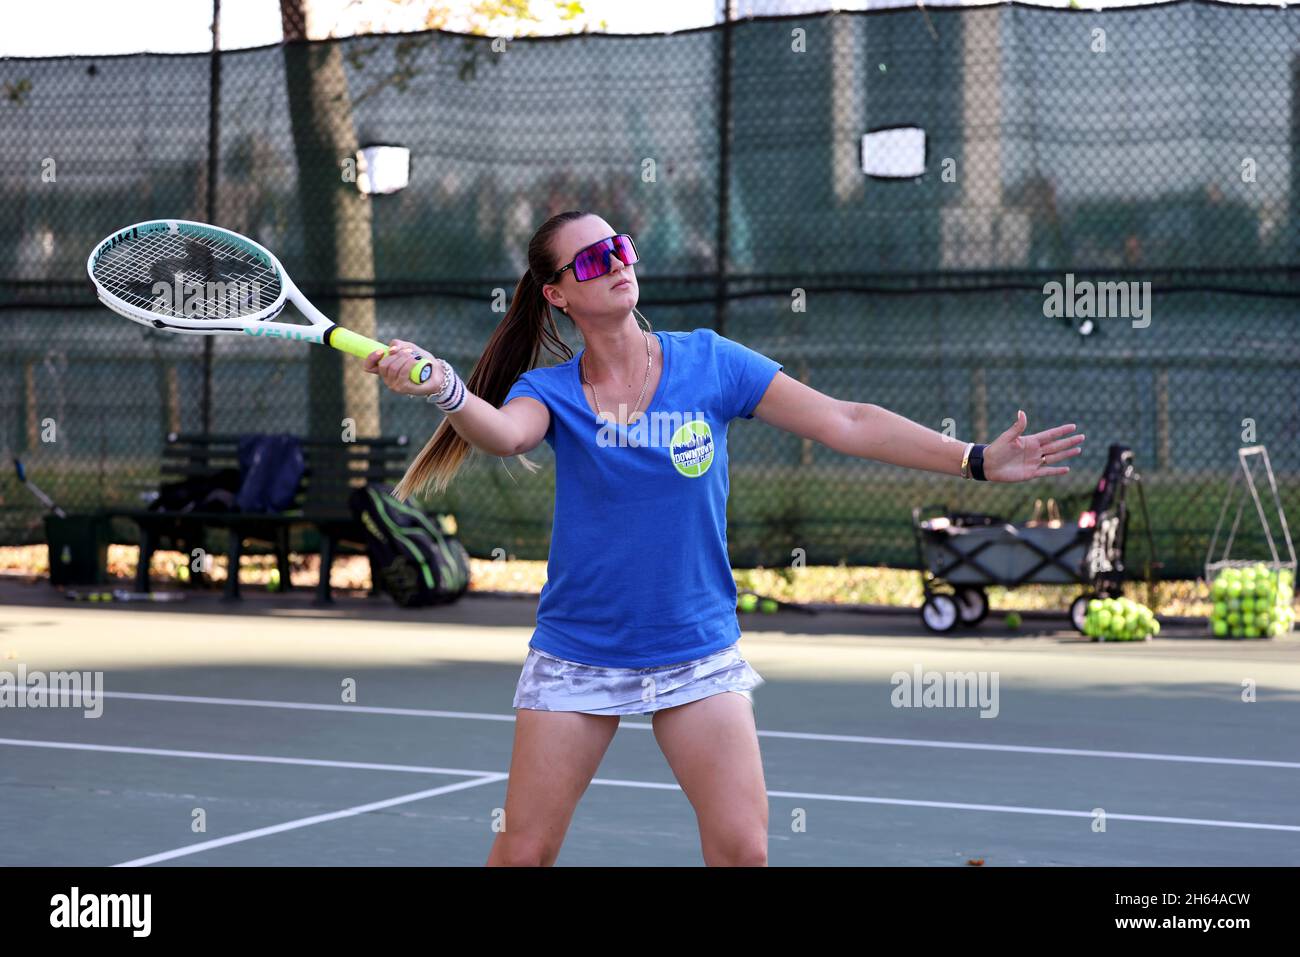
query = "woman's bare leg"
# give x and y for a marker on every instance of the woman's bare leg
(712, 747)
(555, 756)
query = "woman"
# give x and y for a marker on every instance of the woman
(638, 615)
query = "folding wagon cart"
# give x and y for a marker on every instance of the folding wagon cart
(960, 554)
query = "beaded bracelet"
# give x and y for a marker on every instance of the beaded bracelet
(453, 394)
(448, 378)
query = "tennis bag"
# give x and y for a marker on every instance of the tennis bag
(214, 491)
(415, 557)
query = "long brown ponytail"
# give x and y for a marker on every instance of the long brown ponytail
(513, 349)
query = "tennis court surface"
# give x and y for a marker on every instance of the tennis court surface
(280, 733)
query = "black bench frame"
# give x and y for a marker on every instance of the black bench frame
(333, 468)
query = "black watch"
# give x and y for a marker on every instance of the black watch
(976, 463)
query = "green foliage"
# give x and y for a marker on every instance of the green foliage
(484, 17)
(17, 92)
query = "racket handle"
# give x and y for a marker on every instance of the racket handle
(345, 340)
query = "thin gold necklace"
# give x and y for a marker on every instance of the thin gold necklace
(643, 384)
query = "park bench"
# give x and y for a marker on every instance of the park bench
(333, 468)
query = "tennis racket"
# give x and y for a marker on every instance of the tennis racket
(31, 487)
(188, 277)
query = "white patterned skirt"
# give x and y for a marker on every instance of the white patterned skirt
(548, 683)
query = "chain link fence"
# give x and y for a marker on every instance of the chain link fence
(1140, 160)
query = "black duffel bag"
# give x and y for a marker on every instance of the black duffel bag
(414, 556)
(212, 492)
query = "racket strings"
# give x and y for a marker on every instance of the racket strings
(183, 276)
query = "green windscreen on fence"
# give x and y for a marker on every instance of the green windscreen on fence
(1146, 154)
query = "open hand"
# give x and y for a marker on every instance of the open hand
(1015, 457)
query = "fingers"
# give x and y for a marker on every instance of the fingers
(1052, 458)
(374, 361)
(404, 367)
(1062, 449)
(1018, 426)
(396, 366)
(1056, 433)
(386, 364)
(1046, 445)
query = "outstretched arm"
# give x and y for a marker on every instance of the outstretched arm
(870, 432)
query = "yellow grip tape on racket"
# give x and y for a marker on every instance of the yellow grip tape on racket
(345, 340)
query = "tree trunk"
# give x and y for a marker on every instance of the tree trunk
(336, 220)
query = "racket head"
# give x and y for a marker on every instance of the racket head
(184, 276)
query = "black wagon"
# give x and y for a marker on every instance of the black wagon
(960, 554)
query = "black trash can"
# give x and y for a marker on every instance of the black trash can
(78, 549)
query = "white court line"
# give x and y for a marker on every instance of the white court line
(307, 822)
(252, 758)
(1053, 812)
(484, 777)
(1032, 749)
(287, 705)
(646, 726)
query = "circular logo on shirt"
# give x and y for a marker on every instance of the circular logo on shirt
(692, 448)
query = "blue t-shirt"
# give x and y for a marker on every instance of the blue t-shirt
(638, 572)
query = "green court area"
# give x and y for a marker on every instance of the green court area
(279, 733)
